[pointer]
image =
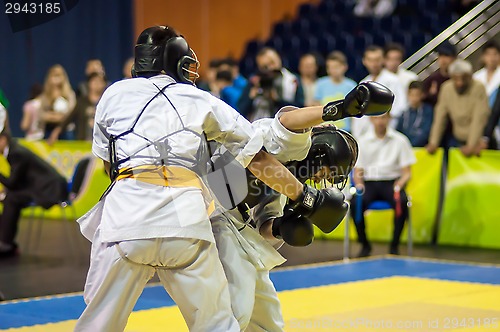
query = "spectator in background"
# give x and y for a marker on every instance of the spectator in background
(489, 75)
(381, 173)
(271, 88)
(464, 101)
(31, 179)
(92, 66)
(394, 56)
(415, 123)
(308, 70)
(432, 84)
(57, 99)
(32, 123)
(373, 60)
(84, 112)
(491, 136)
(127, 68)
(239, 82)
(335, 86)
(375, 8)
(208, 84)
(224, 83)
(229, 82)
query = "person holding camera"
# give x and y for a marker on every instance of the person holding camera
(271, 88)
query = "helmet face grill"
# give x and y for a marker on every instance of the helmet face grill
(189, 67)
(332, 157)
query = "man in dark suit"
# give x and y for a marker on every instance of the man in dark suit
(31, 180)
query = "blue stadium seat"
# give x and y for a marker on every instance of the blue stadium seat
(318, 25)
(293, 59)
(361, 42)
(335, 24)
(326, 44)
(408, 23)
(282, 29)
(367, 24)
(308, 43)
(345, 43)
(327, 7)
(406, 3)
(306, 10)
(380, 39)
(291, 44)
(330, 26)
(253, 47)
(300, 26)
(384, 24)
(401, 37)
(276, 43)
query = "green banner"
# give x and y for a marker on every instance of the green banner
(470, 215)
(64, 155)
(423, 189)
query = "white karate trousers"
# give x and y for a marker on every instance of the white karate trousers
(189, 269)
(247, 259)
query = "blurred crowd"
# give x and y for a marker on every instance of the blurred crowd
(453, 107)
(56, 110)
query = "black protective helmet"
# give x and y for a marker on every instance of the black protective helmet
(331, 147)
(161, 49)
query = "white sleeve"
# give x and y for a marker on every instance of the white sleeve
(407, 156)
(282, 143)
(226, 126)
(100, 141)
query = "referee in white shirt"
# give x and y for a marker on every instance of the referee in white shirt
(381, 173)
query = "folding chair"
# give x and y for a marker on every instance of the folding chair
(378, 206)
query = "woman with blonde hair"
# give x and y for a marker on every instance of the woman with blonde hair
(57, 98)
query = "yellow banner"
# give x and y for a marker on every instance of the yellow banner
(470, 214)
(423, 189)
(64, 155)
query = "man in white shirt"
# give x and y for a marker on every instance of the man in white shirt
(151, 132)
(373, 60)
(394, 56)
(381, 173)
(489, 75)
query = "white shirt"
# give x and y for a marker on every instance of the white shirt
(482, 76)
(383, 159)
(391, 81)
(280, 142)
(137, 210)
(289, 86)
(405, 78)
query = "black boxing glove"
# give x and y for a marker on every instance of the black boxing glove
(293, 228)
(368, 98)
(325, 208)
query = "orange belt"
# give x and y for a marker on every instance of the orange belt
(167, 176)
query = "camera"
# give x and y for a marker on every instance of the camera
(268, 78)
